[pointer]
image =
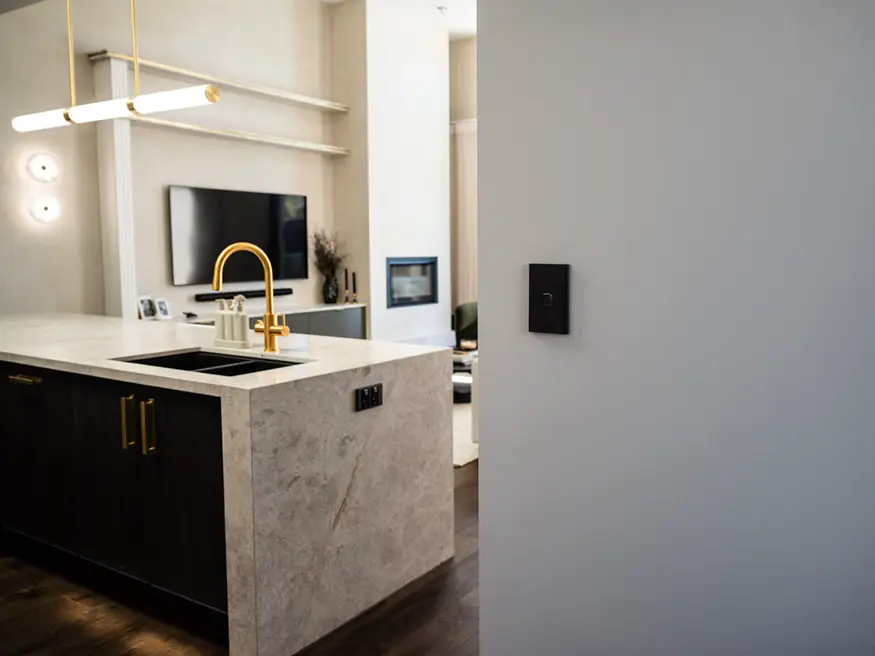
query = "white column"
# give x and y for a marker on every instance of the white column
(116, 195)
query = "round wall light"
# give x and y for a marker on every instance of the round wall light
(42, 167)
(46, 209)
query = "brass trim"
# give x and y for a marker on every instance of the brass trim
(135, 49)
(148, 448)
(71, 61)
(131, 108)
(21, 379)
(125, 441)
(289, 96)
(213, 93)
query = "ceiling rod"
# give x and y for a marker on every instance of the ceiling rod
(136, 105)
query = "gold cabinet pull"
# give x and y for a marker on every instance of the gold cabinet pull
(127, 440)
(147, 427)
(21, 379)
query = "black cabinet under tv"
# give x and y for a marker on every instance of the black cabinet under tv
(348, 322)
(342, 321)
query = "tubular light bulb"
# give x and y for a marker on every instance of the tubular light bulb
(163, 101)
(54, 118)
(99, 111)
(205, 94)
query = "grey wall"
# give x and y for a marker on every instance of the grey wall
(9, 5)
(692, 471)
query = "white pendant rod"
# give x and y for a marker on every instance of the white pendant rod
(297, 98)
(309, 146)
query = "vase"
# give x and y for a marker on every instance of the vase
(330, 290)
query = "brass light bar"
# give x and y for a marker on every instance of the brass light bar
(136, 105)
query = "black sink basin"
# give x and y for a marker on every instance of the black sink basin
(204, 362)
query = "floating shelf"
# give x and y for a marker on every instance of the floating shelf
(296, 98)
(323, 149)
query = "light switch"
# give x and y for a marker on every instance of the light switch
(549, 298)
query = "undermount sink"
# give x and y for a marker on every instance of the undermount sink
(205, 362)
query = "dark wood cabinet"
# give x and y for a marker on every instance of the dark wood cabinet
(125, 476)
(110, 489)
(184, 510)
(38, 458)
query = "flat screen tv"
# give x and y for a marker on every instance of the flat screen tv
(205, 221)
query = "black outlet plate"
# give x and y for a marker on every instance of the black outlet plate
(369, 397)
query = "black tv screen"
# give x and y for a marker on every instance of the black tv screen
(204, 221)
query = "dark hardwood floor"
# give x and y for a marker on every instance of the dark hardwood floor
(42, 614)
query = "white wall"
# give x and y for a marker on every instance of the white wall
(281, 43)
(408, 153)
(53, 267)
(691, 471)
(349, 85)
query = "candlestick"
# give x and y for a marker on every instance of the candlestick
(354, 286)
(346, 285)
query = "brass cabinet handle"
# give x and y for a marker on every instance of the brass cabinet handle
(126, 440)
(21, 379)
(150, 442)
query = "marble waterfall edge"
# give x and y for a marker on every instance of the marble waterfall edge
(239, 525)
(348, 506)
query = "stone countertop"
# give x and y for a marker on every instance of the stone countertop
(90, 345)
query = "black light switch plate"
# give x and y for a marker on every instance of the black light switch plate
(368, 397)
(549, 298)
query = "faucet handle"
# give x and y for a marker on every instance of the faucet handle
(259, 327)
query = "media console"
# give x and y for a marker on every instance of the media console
(325, 320)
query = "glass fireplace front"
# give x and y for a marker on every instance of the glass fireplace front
(411, 281)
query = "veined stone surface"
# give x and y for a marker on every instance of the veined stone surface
(349, 506)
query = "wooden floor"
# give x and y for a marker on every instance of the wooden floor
(42, 614)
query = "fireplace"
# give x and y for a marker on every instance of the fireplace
(411, 281)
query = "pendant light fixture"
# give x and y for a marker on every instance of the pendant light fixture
(136, 105)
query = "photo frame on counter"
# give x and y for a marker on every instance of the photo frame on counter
(162, 309)
(146, 308)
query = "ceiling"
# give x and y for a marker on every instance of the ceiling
(461, 15)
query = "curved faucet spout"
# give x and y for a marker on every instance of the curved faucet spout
(270, 326)
(263, 258)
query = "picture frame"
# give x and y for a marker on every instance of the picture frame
(146, 308)
(162, 309)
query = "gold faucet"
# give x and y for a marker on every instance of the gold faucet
(270, 326)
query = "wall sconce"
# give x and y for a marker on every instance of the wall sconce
(42, 167)
(45, 209)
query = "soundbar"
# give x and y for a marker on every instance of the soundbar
(249, 293)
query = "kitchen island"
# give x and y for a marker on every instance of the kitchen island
(266, 495)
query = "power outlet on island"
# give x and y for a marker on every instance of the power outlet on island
(368, 397)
